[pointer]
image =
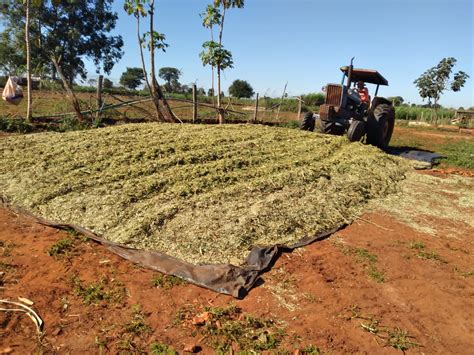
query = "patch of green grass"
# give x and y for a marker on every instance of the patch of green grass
(137, 324)
(422, 253)
(397, 337)
(227, 325)
(464, 273)
(61, 248)
(417, 245)
(311, 350)
(101, 291)
(459, 153)
(166, 281)
(158, 349)
(369, 259)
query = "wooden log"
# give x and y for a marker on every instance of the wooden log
(99, 96)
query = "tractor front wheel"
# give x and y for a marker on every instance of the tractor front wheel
(308, 122)
(330, 127)
(380, 125)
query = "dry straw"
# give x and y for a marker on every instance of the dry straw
(203, 194)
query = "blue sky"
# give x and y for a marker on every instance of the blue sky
(304, 42)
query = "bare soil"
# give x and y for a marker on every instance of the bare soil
(324, 295)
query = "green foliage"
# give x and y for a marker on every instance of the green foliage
(102, 291)
(460, 153)
(160, 349)
(215, 55)
(62, 247)
(314, 99)
(132, 78)
(158, 40)
(12, 61)
(15, 125)
(433, 82)
(108, 84)
(171, 76)
(397, 100)
(166, 281)
(70, 32)
(225, 326)
(416, 113)
(241, 89)
(137, 325)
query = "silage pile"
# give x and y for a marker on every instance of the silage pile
(203, 194)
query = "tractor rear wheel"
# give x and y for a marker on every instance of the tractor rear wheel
(308, 122)
(380, 125)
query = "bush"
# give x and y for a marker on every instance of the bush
(15, 125)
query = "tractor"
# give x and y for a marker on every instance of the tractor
(344, 112)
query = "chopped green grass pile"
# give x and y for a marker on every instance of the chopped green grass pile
(203, 194)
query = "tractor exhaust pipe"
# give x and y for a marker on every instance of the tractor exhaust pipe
(349, 73)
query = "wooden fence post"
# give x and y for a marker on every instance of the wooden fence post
(299, 107)
(99, 96)
(256, 110)
(194, 103)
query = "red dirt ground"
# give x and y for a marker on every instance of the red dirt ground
(433, 300)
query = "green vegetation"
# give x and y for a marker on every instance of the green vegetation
(368, 259)
(61, 248)
(276, 185)
(223, 326)
(166, 281)
(160, 349)
(422, 253)
(104, 290)
(396, 337)
(137, 324)
(241, 89)
(460, 153)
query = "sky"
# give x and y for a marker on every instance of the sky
(305, 42)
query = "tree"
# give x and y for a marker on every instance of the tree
(28, 60)
(433, 82)
(12, 62)
(214, 53)
(397, 100)
(108, 84)
(64, 33)
(169, 75)
(151, 40)
(132, 78)
(241, 89)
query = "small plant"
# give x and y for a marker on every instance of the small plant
(400, 339)
(464, 273)
(364, 256)
(311, 350)
(100, 291)
(166, 281)
(417, 245)
(137, 325)
(61, 248)
(158, 348)
(223, 326)
(425, 254)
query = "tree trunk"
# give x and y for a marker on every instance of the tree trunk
(436, 112)
(159, 117)
(157, 94)
(29, 112)
(70, 93)
(219, 100)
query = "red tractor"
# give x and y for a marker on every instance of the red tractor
(344, 111)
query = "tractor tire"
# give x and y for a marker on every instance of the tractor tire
(356, 131)
(380, 123)
(308, 122)
(330, 127)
